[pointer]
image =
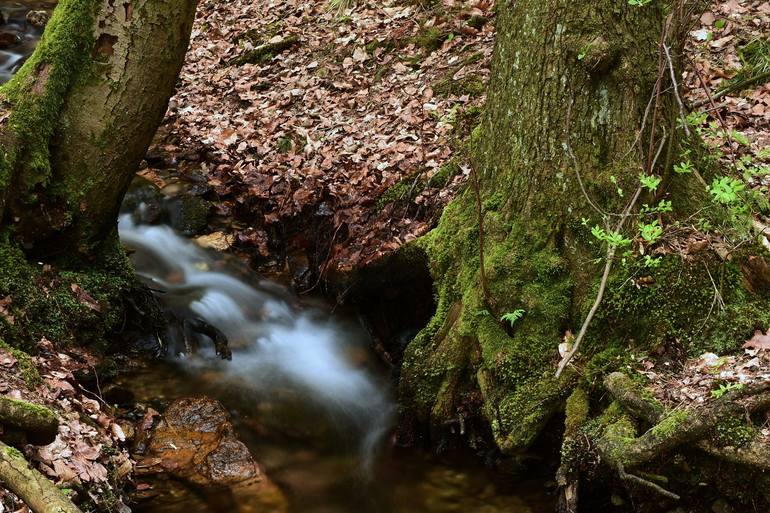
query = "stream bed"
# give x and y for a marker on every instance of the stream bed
(306, 393)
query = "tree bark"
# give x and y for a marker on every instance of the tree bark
(80, 115)
(75, 122)
(579, 105)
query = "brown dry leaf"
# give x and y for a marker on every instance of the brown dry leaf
(759, 341)
(85, 298)
(5, 312)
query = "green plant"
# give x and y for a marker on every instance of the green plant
(739, 138)
(726, 190)
(724, 388)
(513, 317)
(611, 238)
(650, 182)
(651, 232)
(651, 262)
(639, 3)
(683, 168)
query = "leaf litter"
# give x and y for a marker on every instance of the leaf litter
(368, 100)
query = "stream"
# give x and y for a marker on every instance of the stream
(305, 390)
(306, 393)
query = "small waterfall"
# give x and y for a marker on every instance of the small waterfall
(277, 347)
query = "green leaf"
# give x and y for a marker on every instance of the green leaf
(513, 317)
(725, 190)
(650, 182)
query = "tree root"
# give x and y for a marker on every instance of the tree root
(37, 492)
(620, 446)
(572, 448)
(631, 478)
(38, 423)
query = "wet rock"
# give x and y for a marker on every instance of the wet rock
(189, 215)
(8, 39)
(195, 443)
(38, 18)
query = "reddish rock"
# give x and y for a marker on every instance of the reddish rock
(195, 442)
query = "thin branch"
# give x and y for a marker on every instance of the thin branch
(611, 250)
(676, 90)
(731, 89)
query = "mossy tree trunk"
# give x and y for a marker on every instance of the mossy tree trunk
(76, 121)
(572, 94)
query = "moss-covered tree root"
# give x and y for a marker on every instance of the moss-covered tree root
(37, 492)
(38, 423)
(622, 449)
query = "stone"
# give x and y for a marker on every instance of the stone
(38, 18)
(195, 443)
(8, 39)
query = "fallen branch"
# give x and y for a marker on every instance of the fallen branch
(37, 492)
(38, 423)
(264, 52)
(732, 88)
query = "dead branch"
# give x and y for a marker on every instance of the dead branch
(37, 492)
(38, 423)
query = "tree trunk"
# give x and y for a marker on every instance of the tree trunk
(572, 98)
(77, 119)
(82, 112)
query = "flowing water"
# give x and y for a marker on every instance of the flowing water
(306, 393)
(18, 37)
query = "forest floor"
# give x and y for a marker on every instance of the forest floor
(348, 120)
(729, 45)
(354, 122)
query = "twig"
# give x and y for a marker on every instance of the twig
(676, 90)
(625, 476)
(731, 89)
(602, 287)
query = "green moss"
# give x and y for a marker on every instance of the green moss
(265, 52)
(513, 371)
(409, 187)
(734, 432)
(32, 408)
(26, 365)
(477, 21)
(576, 411)
(469, 85)
(13, 452)
(430, 39)
(37, 92)
(80, 305)
(678, 307)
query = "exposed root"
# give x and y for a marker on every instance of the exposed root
(37, 423)
(631, 478)
(572, 449)
(620, 446)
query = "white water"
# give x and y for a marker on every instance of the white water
(276, 347)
